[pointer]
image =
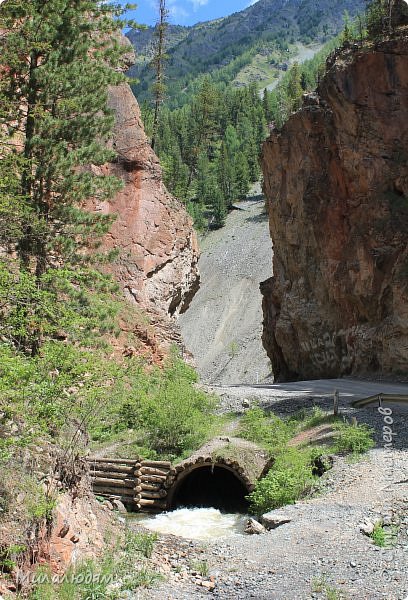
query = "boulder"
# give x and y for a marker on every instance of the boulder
(119, 506)
(254, 527)
(275, 518)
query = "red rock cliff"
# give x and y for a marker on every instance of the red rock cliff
(336, 180)
(153, 234)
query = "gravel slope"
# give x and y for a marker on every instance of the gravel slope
(223, 326)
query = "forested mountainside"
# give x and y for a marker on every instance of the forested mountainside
(209, 148)
(223, 47)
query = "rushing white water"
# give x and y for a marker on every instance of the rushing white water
(196, 523)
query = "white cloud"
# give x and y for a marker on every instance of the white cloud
(176, 11)
(197, 3)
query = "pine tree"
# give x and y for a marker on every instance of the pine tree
(202, 124)
(267, 106)
(376, 16)
(57, 59)
(203, 174)
(294, 88)
(348, 29)
(159, 88)
(226, 176)
(242, 176)
(218, 205)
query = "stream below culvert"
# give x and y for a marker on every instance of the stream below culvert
(194, 523)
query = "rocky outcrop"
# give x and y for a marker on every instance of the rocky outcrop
(336, 180)
(157, 247)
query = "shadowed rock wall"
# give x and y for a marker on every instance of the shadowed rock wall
(336, 180)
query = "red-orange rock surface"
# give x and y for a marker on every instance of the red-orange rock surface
(158, 249)
(336, 180)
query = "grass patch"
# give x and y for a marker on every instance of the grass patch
(121, 570)
(201, 567)
(378, 535)
(140, 542)
(264, 429)
(320, 585)
(308, 420)
(353, 439)
(384, 537)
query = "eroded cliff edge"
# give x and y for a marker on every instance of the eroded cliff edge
(156, 245)
(336, 181)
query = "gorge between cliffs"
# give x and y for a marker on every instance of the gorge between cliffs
(204, 303)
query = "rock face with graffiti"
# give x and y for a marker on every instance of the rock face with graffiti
(336, 181)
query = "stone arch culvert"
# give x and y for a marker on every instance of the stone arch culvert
(220, 475)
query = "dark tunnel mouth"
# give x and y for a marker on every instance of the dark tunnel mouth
(209, 486)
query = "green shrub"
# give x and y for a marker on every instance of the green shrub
(176, 417)
(288, 480)
(354, 439)
(41, 506)
(8, 557)
(268, 430)
(67, 385)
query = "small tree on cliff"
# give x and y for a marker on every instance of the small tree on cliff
(57, 59)
(294, 87)
(379, 15)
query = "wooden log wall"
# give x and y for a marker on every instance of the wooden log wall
(142, 485)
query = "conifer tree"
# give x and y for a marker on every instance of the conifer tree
(159, 88)
(57, 59)
(226, 176)
(242, 177)
(218, 205)
(378, 15)
(266, 103)
(294, 89)
(203, 174)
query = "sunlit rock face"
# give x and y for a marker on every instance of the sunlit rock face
(336, 180)
(157, 247)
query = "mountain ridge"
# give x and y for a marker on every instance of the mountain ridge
(212, 45)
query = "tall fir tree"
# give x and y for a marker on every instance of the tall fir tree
(294, 89)
(159, 87)
(57, 59)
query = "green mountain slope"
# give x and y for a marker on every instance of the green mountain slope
(225, 46)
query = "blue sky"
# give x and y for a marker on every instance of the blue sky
(187, 12)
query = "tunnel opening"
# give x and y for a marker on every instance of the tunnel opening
(210, 486)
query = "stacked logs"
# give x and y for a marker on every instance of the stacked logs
(117, 478)
(156, 477)
(140, 485)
